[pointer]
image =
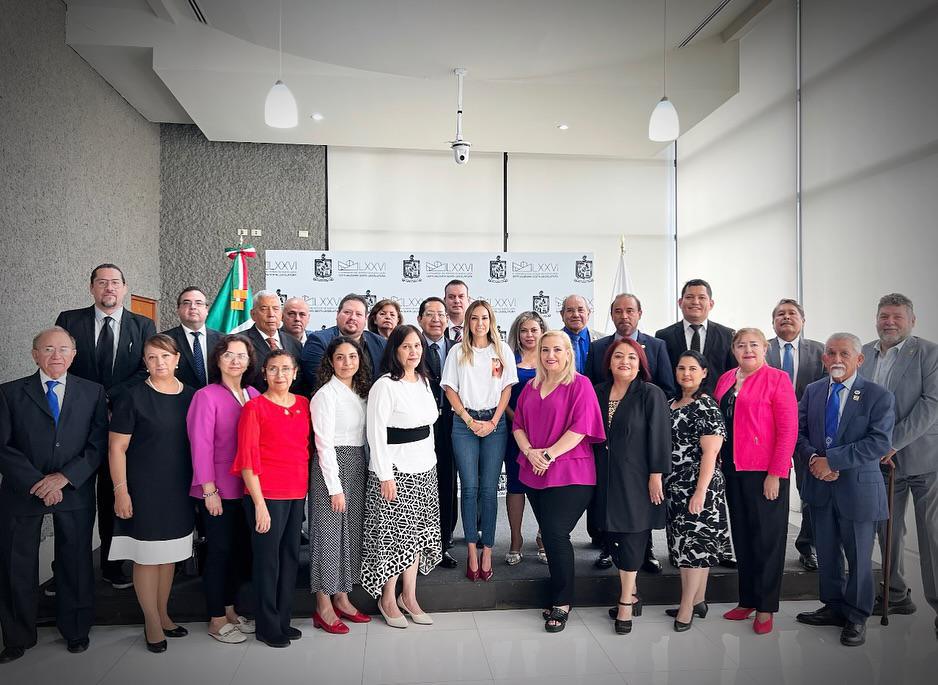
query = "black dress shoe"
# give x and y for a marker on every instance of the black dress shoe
(603, 561)
(78, 646)
(825, 616)
(681, 627)
(853, 635)
(278, 642)
(728, 563)
(292, 633)
(155, 647)
(448, 561)
(651, 565)
(11, 654)
(178, 631)
(903, 607)
(809, 561)
(700, 610)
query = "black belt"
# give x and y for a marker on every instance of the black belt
(400, 436)
(481, 414)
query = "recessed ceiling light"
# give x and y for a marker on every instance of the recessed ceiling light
(316, 116)
(562, 127)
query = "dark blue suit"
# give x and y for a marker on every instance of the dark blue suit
(658, 363)
(845, 511)
(316, 345)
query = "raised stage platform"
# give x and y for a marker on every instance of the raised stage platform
(512, 587)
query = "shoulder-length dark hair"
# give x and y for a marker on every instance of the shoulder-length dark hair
(214, 373)
(379, 305)
(390, 361)
(361, 381)
(701, 362)
(643, 371)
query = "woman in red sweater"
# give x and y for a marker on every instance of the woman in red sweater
(273, 460)
(761, 415)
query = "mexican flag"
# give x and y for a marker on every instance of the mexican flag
(232, 304)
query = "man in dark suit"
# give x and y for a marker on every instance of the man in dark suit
(351, 321)
(696, 332)
(800, 358)
(626, 312)
(109, 342)
(53, 437)
(907, 365)
(845, 425)
(432, 320)
(296, 318)
(194, 340)
(266, 335)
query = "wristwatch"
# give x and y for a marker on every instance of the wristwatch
(547, 456)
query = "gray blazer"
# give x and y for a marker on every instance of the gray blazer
(810, 366)
(914, 382)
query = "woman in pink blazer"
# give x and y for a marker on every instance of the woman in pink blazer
(761, 415)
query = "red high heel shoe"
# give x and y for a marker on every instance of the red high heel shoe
(337, 628)
(738, 614)
(762, 627)
(357, 617)
(486, 575)
(470, 574)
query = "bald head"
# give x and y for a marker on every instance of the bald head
(575, 313)
(54, 351)
(295, 317)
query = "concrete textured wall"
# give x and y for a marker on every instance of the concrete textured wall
(209, 190)
(79, 179)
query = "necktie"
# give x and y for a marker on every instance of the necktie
(695, 338)
(272, 344)
(104, 353)
(832, 415)
(788, 362)
(53, 400)
(433, 360)
(582, 348)
(457, 333)
(198, 363)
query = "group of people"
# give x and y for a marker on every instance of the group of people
(363, 428)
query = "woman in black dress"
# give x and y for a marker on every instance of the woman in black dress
(630, 466)
(697, 528)
(148, 452)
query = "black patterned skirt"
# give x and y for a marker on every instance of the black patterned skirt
(335, 538)
(696, 540)
(397, 532)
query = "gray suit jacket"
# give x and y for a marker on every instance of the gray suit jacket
(810, 366)
(914, 382)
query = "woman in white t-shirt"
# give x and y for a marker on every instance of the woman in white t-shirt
(477, 377)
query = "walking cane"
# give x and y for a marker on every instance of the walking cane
(887, 562)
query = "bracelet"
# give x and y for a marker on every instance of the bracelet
(468, 420)
(206, 495)
(120, 485)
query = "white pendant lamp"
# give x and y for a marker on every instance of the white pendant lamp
(280, 105)
(664, 125)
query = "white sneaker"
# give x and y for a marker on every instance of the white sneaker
(245, 625)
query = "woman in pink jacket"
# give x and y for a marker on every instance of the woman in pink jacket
(761, 415)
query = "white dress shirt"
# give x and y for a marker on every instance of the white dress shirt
(338, 420)
(203, 337)
(844, 393)
(59, 390)
(275, 336)
(689, 334)
(795, 357)
(400, 404)
(115, 327)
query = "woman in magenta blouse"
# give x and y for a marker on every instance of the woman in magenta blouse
(273, 460)
(556, 418)
(213, 435)
(761, 416)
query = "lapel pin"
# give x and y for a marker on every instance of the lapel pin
(856, 395)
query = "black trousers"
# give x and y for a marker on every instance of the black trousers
(804, 543)
(760, 533)
(227, 555)
(109, 569)
(557, 511)
(446, 479)
(19, 575)
(276, 559)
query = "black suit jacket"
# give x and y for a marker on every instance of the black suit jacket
(262, 349)
(810, 366)
(659, 365)
(186, 370)
(443, 428)
(129, 368)
(33, 446)
(318, 342)
(718, 350)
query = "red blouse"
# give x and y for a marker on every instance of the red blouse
(273, 442)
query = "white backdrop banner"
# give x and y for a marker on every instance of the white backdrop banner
(512, 282)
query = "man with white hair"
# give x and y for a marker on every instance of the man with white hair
(265, 335)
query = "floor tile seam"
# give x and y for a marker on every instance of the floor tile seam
(118, 660)
(234, 674)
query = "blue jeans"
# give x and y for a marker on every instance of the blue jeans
(479, 462)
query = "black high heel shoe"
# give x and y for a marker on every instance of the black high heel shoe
(155, 647)
(625, 627)
(700, 610)
(636, 608)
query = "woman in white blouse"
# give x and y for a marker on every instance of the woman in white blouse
(478, 376)
(402, 507)
(337, 484)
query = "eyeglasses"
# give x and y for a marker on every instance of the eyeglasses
(114, 282)
(229, 356)
(49, 350)
(280, 370)
(192, 303)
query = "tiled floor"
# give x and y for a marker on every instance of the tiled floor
(510, 647)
